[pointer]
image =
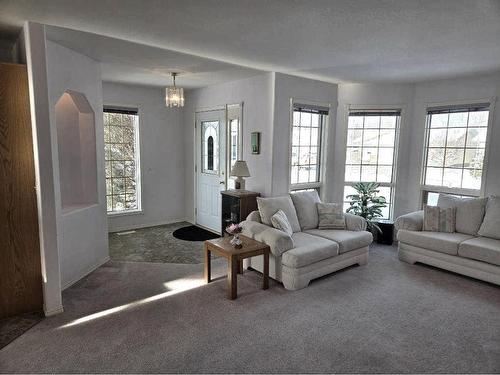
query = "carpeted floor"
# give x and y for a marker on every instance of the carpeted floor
(15, 326)
(386, 317)
(155, 244)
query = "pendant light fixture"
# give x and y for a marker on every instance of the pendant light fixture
(174, 96)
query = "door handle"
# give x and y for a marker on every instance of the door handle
(222, 183)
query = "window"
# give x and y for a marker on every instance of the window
(372, 138)
(210, 146)
(433, 197)
(234, 141)
(455, 146)
(122, 160)
(307, 126)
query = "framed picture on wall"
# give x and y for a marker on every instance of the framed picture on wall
(255, 146)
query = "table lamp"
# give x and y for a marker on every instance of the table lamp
(240, 170)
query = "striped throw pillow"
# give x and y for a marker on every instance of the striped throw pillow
(437, 219)
(280, 221)
(330, 216)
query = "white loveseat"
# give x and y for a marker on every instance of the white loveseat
(473, 250)
(309, 252)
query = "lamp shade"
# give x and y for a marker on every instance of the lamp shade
(240, 169)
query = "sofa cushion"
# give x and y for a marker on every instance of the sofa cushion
(330, 216)
(280, 222)
(481, 248)
(437, 219)
(441, 242)
(348, 240)
(308, 249)
(470, 212)
(491, 223)
(269, 206)
(305, 205)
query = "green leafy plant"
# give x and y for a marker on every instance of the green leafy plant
(367, 203)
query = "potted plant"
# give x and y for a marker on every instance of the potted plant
(367, 204)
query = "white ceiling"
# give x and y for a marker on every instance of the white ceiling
(134, 63)
(331, 40)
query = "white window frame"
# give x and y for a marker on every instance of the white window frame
(401, 108)
(425, 189)
(318, 186)
(137, 160)
(233, 112)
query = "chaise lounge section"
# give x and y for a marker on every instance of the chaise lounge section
(309, 252)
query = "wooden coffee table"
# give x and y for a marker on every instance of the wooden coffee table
(222, 247)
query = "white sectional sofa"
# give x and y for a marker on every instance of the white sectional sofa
(309, 252)
(473, 250)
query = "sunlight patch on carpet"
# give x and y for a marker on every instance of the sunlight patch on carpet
(174, 286)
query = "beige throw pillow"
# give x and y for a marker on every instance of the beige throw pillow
(305, 205)
(280, 221)
(437, 219)
(470, 212)
(330, 216)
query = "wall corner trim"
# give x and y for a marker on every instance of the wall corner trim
(57, 310)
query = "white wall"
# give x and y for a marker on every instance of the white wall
(414, 98)
(257, 95)
(288, 87)
(161, 137)
(266, 109)
(33, 39)
(82, 233)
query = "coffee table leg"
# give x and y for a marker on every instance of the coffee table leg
(265, 283)
(232, 278)
(240, 266)
(207, 265)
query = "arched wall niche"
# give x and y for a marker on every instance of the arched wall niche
(76, 143)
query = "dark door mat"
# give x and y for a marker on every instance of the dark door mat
(194, 233)
(13, 327)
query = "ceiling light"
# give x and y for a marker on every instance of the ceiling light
(174, 96)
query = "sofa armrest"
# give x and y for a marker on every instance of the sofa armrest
(354, 222)
(254, 216)
(413, 221)
(278, 241)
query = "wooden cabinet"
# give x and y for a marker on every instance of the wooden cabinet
(236, 205)
(20, 270)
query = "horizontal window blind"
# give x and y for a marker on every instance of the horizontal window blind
(455, 109)
(311, 109)
(121, 110)
(376, 113)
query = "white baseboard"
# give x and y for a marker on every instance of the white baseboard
(55, 311)
(122, 228)
(85, 273)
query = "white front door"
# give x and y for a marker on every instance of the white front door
(210, 167)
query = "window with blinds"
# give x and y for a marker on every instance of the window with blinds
(454, 151)
(308, 123)
(372, 138)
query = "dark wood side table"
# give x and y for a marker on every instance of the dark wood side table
(236, 205)
(387, 235)
(222, 246)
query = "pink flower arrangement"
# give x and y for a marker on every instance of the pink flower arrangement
(234, 229)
